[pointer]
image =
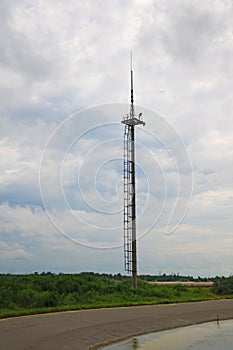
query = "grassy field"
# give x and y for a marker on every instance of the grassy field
(42, 293)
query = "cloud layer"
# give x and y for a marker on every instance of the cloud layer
(56, 60)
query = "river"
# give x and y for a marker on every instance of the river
(207, 336)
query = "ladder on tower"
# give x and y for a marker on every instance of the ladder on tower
(127, 200)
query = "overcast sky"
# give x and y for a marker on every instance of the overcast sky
(64, 89)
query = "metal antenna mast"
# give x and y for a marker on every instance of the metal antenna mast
(130, 238)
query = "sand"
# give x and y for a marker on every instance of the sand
(88, 329)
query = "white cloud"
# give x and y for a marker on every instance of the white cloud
(56, 59)
(29, 242)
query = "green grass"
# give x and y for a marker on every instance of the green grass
(35, 294)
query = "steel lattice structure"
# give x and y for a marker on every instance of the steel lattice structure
(130, 239)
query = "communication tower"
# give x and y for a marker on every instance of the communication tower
(130, 238)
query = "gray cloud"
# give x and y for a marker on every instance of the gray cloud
(56, 59)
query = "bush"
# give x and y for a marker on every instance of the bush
(223, 286)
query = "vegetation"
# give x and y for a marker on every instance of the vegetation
(45, 292)
(223, 286)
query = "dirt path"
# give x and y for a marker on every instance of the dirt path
(81, 330)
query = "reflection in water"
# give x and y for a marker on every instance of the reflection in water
(135, 344)
(209, 336)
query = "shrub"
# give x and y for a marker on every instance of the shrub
(223, 286)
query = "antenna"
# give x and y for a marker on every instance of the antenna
(130, 237)
(131, 75)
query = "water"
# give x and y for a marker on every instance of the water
(208, 336)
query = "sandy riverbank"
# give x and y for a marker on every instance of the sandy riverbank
(186, 284)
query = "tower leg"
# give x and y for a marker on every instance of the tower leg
(134, 238)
